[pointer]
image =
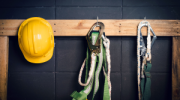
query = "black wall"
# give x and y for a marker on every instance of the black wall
(58, 78)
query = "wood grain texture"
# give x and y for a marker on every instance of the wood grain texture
(112, 27)
(176, 69)
(4, 50)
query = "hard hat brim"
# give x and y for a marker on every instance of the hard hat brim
(41, 59)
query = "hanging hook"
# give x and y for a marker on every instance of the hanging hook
(97, 25)
(97, 21)
(144, 18)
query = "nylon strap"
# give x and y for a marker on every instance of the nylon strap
(82, 95)
(87, 63)
(143, 70)
(98, 69)
(106, 95)
(78, 96)
(106, 89)
(146, 83)
(107, 70)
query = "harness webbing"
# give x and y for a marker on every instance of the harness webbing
(107, 72)
(143, 70)
(146, 83)
(94, 72)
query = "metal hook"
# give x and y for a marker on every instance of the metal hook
(97, 25)
(95, 48)
(97, 21)
(145, 18)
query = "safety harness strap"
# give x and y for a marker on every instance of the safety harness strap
(106, 95)
(88, 88)
(102, 61)
(146, 83)
(107, 69)
(143, 70)
(79, 96)
(87, 64)
(100, 53)
(98, 69)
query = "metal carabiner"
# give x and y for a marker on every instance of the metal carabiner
(96, 48)
(154, 35)
(142, 44)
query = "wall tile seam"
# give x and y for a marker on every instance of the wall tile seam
(78, 6)
(28, 7)
(60, 6)
(55, 64)
(150, 72)
(26, 72)
(88, 6)
(121, 61)
(171, 6)
(78, 72)
(12, 72)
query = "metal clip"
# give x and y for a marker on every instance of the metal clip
(96, 48)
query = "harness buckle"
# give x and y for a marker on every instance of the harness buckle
(96, 48)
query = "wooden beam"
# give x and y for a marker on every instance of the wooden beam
(112, 27)
(81, 27)
(176, 69)
(4, 50)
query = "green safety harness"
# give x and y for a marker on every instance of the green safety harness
(143, 71)
(96, 53)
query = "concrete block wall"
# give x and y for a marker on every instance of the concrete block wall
(57, 78)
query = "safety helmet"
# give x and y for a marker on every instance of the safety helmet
(36, 40)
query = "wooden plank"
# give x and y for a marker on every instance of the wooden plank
(176, 69)
(112, 27)
(4, 50)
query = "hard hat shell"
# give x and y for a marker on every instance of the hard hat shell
(36, 40)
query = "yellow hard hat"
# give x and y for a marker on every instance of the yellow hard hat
(36, 40)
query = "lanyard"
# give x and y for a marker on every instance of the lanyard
(143, 70)
(97, 52)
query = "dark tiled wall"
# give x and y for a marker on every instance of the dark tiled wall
(57, 78)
